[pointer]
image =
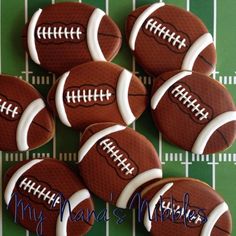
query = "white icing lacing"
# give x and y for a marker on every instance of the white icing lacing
(8, 109)
(87, 95)
(58, 32)
(38, 191)
(117, 158)
(181, 210)
(183, 96)
(153, 26)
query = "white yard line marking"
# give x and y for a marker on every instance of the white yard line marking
(107, 217)
(54, 152)
(26, 74)
(133, 222)
(215, 21)
(227, 157)
(213, 163)
(186, 163)
(107, 7)
(71, 156)
(160, 148)
(214, 30)
(134, 127)
(171, 157)
(26, 62)
(214, 77)
(134, 5)
(107, 204)
(228, 79)
(188, 5)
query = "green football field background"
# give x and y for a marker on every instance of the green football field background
(218, 170)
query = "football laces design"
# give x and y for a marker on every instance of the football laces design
(39, 191)
(9, 110)
(89, 95)
(117, 157)
(162, 31)
(57, 33)
(180, 93)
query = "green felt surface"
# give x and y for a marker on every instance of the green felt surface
(218, 170)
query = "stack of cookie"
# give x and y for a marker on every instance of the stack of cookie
(91, 95)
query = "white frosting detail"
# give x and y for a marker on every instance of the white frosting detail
(161, 31)
(139, 22)
(77, 96)
(34, 188)
(165, 86)
(213, 218)
(152, 205)
(92, 35)
(210, 128)
(25, 121)
(12, 182)
(117, 156)
(135, 183)
(59, 32)
(95, 137)
(59, 99)
(122, 96)
(196, 48)
(192, 104)
(74, 200)
(31, 37)
(8, 108)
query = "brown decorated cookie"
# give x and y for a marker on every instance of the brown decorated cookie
(184, 206)
(97, 92)
(64, 35)
(165, 38)
(25, 122)
(115, 161)
(55, 200)
(194, 111)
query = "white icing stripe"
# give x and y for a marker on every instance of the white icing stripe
(59, 99)
(31, 37)
(95, 137)
(74, 200)
(139, 22)
(213, 218)
(135, 183)
(210, 128)
(12, 182)
(92, 35)
(165, 86)
(197, 47)
(152, 204)
(122, 95)
(25, 121)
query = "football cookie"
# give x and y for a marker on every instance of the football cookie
(193, 111)
(166, 38)
(97, 92)
(115, 161)
(25, 122)
(185, 206)
(51, 193)
(65, 35)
